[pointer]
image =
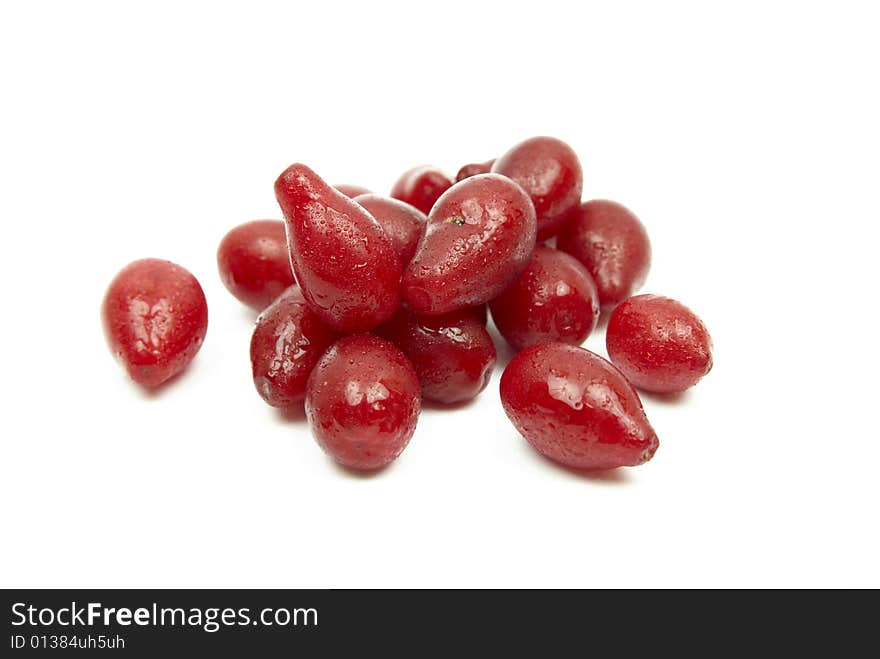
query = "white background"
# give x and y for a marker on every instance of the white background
(744, 136)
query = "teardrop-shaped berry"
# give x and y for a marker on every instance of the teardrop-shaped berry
(479, 238)
(155, 318)
(576, 408)
(659, 344)
(343, 261)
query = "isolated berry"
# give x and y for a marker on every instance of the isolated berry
(554, 299)
(658, 343)
(613, 245)
(363, 402)
(155, 318)
(254, 263)
(287, 342)
(480, 237)
(473, 169)
(453, 354)
(352, 191)
(421, 187)
(576, 408)
(550, 173)
(403, 224)
(343, 261)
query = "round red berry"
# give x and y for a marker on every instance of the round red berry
(363, 401)
(550, 173)
(421, 187)
(613, 245)
(473, 169)
(554, 299)
(453, 354)
(254, 264)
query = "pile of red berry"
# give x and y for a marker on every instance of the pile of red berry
(370, 304)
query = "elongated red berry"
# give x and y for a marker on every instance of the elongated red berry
(363, 402)
(343, 261)
(403, 224)
(155, 318)
(555, 299)
(613, 245)
(287, 342)
(576, 408)
(658, 343)
(473, 169)
(550, 172)
(254, 263)
(421, 187)
(480, 237)
(453, 354)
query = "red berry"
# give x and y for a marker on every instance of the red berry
(403, 224)
(658, 343)
(613, 245)
(550, 172)
(480, 236)
(155, 317)
(288, 341)
(576, 408)
(421, 187)
(473, 169)
(342, 259)
(352, 191)
(363, 401)
(254, 264)
(555, 299)
(453, 354)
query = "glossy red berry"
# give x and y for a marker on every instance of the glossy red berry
(421, 187)
(453, 354)
(550, 172)
(363, 402)
(480, 237)
(473, 169)
(155, 318)
(254, 264)
(659, 344)
(613, 245)
(352, 191)
(343, 261)
(403, 224)
(576, 408)
(554, 299)
(287, 342)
